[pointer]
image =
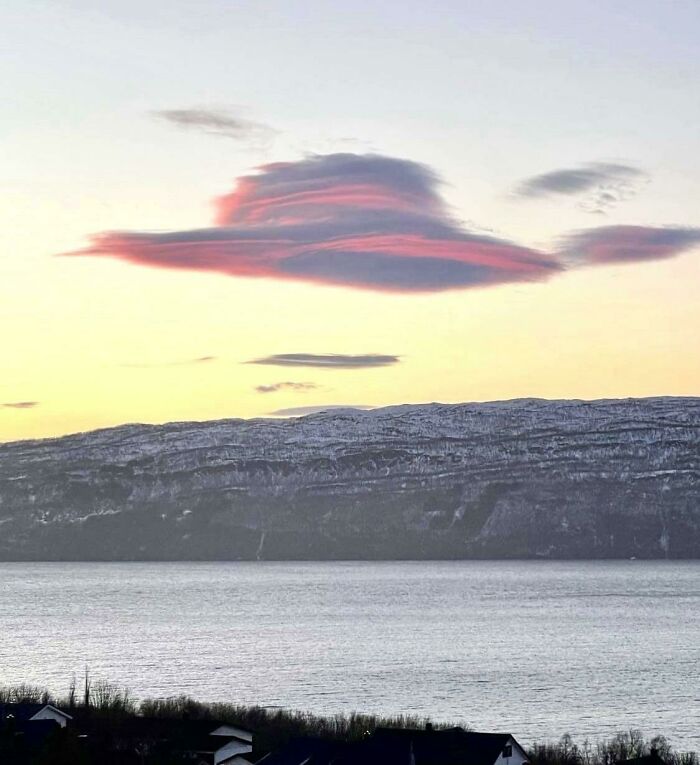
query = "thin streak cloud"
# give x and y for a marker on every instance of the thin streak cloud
(301, 411)
(182, 363)
(327, 360)
(20, 404)
(217, 122)
(276, 387)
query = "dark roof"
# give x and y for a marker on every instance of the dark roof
(378, 751)
(389, 746)
(313, 751)
(451, 746)
(156, 727)
(22, 711)
(174, 734)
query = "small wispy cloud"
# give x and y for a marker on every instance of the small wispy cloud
(327, 360)
(275, 387)
(301, 411)
(599, 186)
(20, 404)
(219, 122)
(180, 363)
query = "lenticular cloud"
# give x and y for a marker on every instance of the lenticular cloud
(369, 222)
(364, 221)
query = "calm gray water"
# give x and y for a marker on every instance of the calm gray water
(536, 648)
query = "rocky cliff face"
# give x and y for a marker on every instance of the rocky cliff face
(525, 478)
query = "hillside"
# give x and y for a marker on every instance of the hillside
(523, 478)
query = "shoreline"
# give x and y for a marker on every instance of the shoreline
(108, 704)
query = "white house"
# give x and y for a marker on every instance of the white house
(22, 712)
(511, 753)
(233, 743)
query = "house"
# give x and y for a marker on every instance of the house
(225, 745)
(306, 750)
(451, 746)
(26, 712)
(203, 742)
(22, 740)
(394, 746)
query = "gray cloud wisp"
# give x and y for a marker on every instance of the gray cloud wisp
(276, 387)
(216, 122)
(182, 363)
(598, 185)
(327, 360)
(300, 411)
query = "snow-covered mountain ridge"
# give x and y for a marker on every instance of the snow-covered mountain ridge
(525, 478)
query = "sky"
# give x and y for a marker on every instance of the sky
(237, 209)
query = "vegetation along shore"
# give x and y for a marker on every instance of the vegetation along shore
(105, 723)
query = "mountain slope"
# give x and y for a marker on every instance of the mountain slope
(523, 478)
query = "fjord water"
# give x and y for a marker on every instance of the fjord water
(536, 648)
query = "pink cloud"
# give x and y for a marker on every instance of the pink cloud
(626, 244)
(369, 222)
(364, 221)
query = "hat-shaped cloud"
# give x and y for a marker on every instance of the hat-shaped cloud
(365, 221)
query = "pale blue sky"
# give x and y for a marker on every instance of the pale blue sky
(487, 94)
